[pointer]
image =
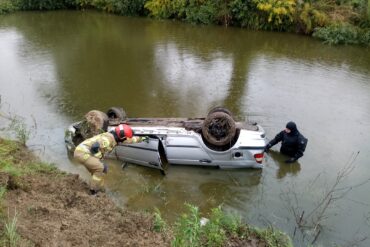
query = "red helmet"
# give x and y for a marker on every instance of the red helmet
(123, 130)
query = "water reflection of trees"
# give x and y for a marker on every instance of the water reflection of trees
(103, 60)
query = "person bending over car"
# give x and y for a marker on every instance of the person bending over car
(91, 152)
(293, 143)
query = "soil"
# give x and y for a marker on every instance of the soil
(56, 210)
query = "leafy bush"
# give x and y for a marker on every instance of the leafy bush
(365, 37)
(121, 7)
(6, 6)
(159, 224)
(162, 8)
(188, 229)
(338, 34)
(311, 17)
(202, 12)
(194, 11)
(40, 4)
(279, 14)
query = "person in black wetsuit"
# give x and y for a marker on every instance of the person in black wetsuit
(293, 143)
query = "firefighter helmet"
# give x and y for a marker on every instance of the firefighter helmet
(123, 131)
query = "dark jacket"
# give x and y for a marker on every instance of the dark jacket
(293, 144)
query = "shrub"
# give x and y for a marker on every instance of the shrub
(244, 14)
(121, 7)
(365, 36)
(161, 8)
(310, 17)
(278, 14)
(40, 4)
(202, 12)
(159, 224)
(338, 34)
(6, 6)
(193, 11)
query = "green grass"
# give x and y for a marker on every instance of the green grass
(159, 224)
(17, 161)
(219, 228)
(10, 236)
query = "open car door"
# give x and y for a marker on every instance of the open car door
(150, 154)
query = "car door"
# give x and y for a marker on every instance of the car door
(186, 150)
(150, 154)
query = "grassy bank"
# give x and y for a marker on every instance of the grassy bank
(334, 21)
(41, 205)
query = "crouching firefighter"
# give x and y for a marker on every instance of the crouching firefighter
(91, 152)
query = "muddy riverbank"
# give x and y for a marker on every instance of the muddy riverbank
(54, 208)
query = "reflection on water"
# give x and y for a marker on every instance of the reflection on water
(56, 66)
(283, 168)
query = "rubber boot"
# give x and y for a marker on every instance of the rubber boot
(97, 183)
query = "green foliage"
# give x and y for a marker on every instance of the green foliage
(188, 229)
(11, 238)
(40, 4)
(194, 11)
(272, 237)
(161, 8)
(159, 224)
(38, 167)
(19, 127)
(120, 7)
(216, 234)
(10, 169)
(245, 14)
(310, 17)
(7, 6)
(201, 12)
(10, 151)
(338, 34)
(221, 226)
(365, 36)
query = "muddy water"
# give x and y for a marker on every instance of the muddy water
(56, 66)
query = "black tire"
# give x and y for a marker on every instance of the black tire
(116, 113)
(220, 109)
(218, 128)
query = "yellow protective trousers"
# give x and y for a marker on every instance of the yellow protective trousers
(94, 166)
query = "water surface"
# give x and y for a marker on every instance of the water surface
(56, 66)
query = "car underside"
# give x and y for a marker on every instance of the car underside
(216, 140)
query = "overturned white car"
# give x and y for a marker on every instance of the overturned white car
(217, 140)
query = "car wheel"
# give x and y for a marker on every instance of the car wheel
(116, 113)
(219, 128)
(220, 109)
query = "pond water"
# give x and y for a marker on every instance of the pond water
(56, 66)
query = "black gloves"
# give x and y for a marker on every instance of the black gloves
(291, 160)
(145, 139)
(95, 148)
(267, 148)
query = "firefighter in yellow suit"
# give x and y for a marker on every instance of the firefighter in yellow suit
(91, 152)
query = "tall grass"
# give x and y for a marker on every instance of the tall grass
(11, 238)
(189, 232)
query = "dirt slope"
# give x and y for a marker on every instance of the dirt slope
(56, 210)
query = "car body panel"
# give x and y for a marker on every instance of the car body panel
(180, 146)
